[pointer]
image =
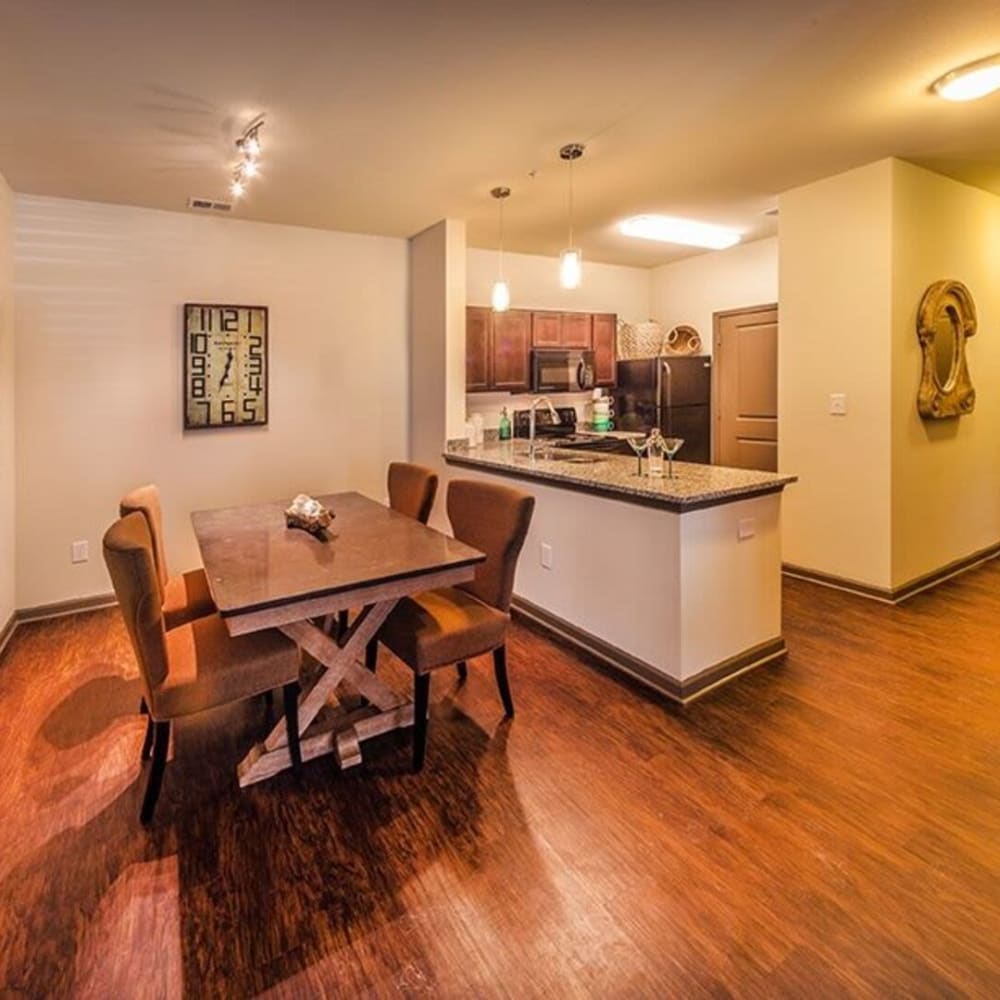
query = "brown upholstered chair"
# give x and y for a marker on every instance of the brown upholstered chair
(453, 624)
(412, 489)
(185, 597)
(193, 667)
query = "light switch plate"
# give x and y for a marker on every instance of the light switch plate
(80, 552)
(746, 528)
(838, 404)
(546, 556)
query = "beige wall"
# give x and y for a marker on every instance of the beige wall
(945, 474)
(100, 293)
(7, 588)
(534, 284)
(437, 347)
(691, 290)
(835, 278)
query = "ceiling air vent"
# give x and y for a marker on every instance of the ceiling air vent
(209, 205)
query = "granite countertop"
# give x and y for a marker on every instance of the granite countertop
(693, 487)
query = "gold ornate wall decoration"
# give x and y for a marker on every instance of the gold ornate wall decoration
(945, 321)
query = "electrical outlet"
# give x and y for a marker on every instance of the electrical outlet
(80, 552)
(746, 528)
(838, 404)
(546, 556)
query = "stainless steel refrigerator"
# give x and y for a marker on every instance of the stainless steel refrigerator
(673, 393)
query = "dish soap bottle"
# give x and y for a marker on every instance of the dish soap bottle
(504, 433)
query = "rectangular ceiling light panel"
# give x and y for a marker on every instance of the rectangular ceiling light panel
(667, 229)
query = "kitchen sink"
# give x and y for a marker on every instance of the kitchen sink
(558, 456)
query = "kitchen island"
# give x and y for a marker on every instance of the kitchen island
(674, 581)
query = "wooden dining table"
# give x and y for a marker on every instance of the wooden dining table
(264, 575)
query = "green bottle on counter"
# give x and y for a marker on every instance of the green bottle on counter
(504, 425)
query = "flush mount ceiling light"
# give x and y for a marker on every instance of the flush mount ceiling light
(571, 261)
(666, 229)
(249, 147)
(975, 79)
(500, 297)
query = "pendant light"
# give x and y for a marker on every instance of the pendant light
(571, 261)
(500, 299)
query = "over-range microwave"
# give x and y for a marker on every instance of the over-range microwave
(556, 370)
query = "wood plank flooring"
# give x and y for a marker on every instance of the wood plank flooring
(829, 826)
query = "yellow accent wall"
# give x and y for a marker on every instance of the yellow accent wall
(884, 497)
(945, 473)
(834, 277)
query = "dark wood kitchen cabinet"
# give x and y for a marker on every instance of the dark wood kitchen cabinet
(511, 351)
(478, 322)
(577, 331)
(606, 349)
(561, 330)
(497, 350)
(498, 345)
(546, 329)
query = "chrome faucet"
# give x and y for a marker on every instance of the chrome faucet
(531, 420)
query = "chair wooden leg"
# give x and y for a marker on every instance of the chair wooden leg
(291, 695)
(463, 670)
(147, 742)
(161, 741)
(500, 670)
(421, 700)
(371, 655)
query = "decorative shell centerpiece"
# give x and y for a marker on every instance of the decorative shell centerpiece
(309, 515)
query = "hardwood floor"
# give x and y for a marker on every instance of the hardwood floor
(828, 826)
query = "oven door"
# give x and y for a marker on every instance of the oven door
(562, 371)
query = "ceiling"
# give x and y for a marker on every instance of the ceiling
(385, 117)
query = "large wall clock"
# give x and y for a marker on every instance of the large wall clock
(225, 366)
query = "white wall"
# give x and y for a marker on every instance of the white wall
(100, 293)
(437, 338)
(7, 527)
(834, 302)
(691, 290)
(437, 348)
(945, 473)
(678, 591)
(534, 284)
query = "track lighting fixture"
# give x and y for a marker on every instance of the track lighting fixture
(249, 147)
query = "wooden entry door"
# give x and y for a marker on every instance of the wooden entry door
(745, 364)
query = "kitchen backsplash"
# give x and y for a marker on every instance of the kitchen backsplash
(489, 404)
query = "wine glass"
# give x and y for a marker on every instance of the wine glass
(638, 445)
(671, 446)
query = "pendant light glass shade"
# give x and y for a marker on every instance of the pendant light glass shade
(500, 296)
(500, 299)
(571, 260)
(570, 268)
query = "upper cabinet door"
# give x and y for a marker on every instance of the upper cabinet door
(605, 348)
(546, 329)
(511, 350)
(577, 331)
(477, 348)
